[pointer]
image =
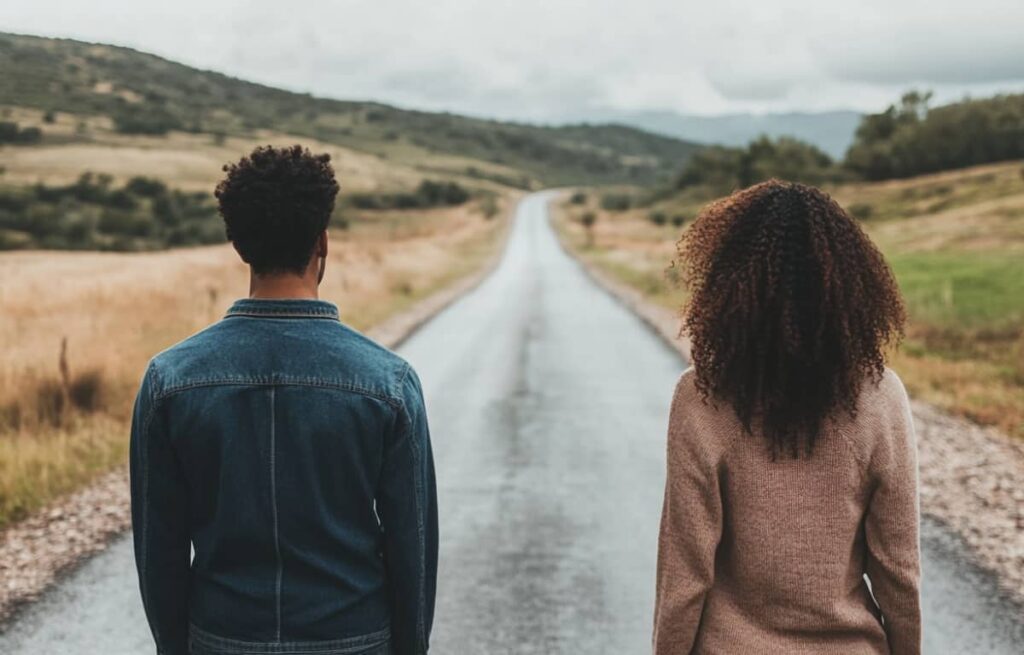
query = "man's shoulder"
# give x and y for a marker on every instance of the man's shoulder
(325, 354)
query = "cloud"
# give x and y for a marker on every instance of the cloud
(570, 59)
(971, 49)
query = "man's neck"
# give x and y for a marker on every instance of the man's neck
(277, 287)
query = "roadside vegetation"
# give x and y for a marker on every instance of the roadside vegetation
(955, 241)
(83, 324)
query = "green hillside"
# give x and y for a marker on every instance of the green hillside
(145, 94)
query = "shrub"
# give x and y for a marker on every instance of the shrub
(427, 194)
(151, 121)
(91, 212)
(616, 202)
(678, 220)
(442, 193)
(87, 390)
(658, 218)
(489, 207)
(578, 198)
(861, 210)
(11, 133)
(146, 187)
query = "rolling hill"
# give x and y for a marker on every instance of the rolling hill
(145, 94)
(831, 131)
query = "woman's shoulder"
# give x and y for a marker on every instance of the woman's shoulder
(884, 394)
(883, 420)
(705, 425)
(687, 398)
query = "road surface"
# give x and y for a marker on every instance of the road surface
(548, 405)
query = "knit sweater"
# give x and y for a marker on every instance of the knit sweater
(762, 556)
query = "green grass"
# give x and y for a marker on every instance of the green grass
(962, 290)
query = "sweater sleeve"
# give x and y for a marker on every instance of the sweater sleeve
(891, 524)
(691, 527)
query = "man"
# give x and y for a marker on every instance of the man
(290, 452)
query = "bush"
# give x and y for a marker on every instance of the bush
(427, 194)
(87, 390)
(578, 198)
(11, 133)
(861, 210)
(678, 220)
(146, 187)
(489, 206)
(92, 213)
(150, 121)
(616, 202)
(442, 193)
(658, 218)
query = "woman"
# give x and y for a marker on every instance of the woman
(792, 466)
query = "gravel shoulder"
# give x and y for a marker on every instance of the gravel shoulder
(972, 478)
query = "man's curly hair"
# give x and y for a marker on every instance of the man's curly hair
(275, 203)
(790, 311)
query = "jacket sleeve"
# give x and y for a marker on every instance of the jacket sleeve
(160, 523)
(691, 527)
(891, 526)
(407, 506)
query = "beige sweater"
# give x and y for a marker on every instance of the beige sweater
(757, 556)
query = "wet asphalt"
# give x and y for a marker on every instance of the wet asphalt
(548, 404)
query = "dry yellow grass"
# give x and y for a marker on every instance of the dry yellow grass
(118, 309)
(186, 161)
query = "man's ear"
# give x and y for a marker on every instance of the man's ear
(321, 248)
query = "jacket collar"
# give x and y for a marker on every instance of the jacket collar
(283, 308)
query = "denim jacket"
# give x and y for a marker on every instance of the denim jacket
(292, 456)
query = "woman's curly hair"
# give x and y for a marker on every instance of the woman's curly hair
(275, 203)
(790, 311)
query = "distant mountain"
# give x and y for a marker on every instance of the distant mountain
(143, 93)
(832, 131)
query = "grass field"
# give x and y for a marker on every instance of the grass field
(115, 310)
(193, 161)
(956, 244)
(63, 424)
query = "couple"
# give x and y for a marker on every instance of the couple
(292, 454)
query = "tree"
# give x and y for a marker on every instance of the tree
(722, 169)
(911, 138)
(589, 219)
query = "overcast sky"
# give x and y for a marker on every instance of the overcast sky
(570, 59)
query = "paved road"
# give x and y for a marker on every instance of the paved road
(548, 405)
